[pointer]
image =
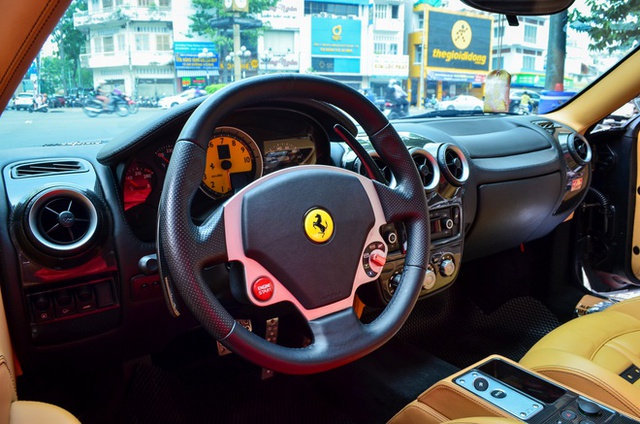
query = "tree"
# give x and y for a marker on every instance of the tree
(206, 10)
(71, 44)
(611, 25)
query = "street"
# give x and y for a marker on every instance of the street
(21, 128)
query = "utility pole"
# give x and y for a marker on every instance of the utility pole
(237, 60)
(556, 51)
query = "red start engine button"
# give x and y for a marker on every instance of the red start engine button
(262, 289)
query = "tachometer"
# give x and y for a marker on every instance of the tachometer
(139, 181)
(285, 153)
(233, 161)
(162, 155)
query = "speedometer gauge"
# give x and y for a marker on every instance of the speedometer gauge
(233, 161)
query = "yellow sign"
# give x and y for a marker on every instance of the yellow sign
(337, 33)
(318, 225)
(461, 34)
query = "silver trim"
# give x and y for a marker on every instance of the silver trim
(42, 198)
(463, 160)
(253, 270)
(434, 165)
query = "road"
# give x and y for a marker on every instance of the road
(21, 128)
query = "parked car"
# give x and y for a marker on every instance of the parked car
(461, 102)
(178, 99)
(279, 252)
(23, 101)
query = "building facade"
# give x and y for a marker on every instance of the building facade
(130, 44)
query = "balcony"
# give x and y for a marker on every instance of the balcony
(120, 15)
(118, 59)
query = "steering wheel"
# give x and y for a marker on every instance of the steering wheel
(308, 235)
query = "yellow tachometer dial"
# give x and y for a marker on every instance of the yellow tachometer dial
(233, 161)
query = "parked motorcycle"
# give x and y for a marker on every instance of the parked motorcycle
(94, 106)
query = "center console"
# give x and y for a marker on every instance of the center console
(498, 387)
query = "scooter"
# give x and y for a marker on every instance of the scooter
(394, 110)
(94, 107)
(39, 105)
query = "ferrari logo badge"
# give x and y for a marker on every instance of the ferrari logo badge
(318, 225)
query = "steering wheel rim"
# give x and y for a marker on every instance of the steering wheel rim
(339, 337)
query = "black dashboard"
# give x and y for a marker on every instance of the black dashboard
(492, 182)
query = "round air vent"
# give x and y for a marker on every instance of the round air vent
(579, 149)
(453, 164)
(61, 222)
(377, 160)
(427, 168)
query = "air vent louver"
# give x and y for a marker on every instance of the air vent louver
(548, 126)
(453, 164)
(427, 168)
(579, 149)
(44, 168)
(386, 172)
(62, 221)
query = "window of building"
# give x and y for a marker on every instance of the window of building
(97, 45)
(145, 3)
(498, 32)
(528, 62)
(163, 42)
(108, 44)
(395, 11)
(393, 48)
(164, 3)
(381, 11)
(497, 63)
(314, 8)
(121, 43)
(379, 48)
(420, 20)
(142, 42)
(530, 33)
(107, 4)
(417, 57)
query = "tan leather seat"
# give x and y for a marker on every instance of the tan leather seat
(591, 353)
(12, 410)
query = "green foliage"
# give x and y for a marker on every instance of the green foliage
(611, 25)
(210, 89)
(206, 10)
(71, 44)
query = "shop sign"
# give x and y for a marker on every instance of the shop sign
(195, 55)
(455, 77)
(335, 37)
(458, 41)
(390, 65)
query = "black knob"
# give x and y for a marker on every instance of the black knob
(395, 279)
(588, 408)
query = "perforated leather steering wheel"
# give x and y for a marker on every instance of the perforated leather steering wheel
(308, 235)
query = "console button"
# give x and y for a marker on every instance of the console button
(498, 394)
(481, 384)
(568, 414)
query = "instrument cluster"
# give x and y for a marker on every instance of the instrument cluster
(237, 154)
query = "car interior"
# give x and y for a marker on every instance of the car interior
(473, 269)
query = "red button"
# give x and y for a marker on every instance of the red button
(262, 289)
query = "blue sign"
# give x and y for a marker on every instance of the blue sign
(195, 55)
(335, 37)
(458, 41)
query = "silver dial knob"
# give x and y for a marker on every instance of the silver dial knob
(447, 267)
(429, 279)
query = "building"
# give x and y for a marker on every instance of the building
(279, 46)
(358, 42)
(130, 44)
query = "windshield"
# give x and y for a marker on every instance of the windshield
(113, 64)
